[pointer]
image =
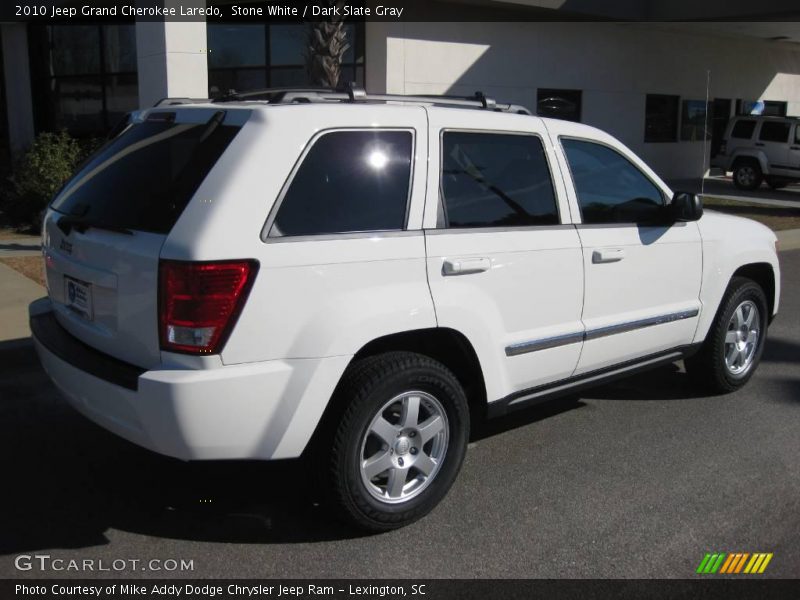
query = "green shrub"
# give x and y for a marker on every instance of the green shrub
(38, 175)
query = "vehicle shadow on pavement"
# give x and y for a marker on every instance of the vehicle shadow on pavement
(67, 481)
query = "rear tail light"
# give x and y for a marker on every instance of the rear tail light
(723, 147)
(199, 302)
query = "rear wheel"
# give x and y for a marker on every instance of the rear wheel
(400, 441)
(747, 175)
(733, 347)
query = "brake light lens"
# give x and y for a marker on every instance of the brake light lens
(199, 302)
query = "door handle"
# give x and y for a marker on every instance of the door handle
(608, 255)
(759, 144)
(465, 266)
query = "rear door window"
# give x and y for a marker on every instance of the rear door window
(496, 180)
(774, 131)
(349, 181)
(144, 178)
(743, 129)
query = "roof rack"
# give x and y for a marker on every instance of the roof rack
(357, 94)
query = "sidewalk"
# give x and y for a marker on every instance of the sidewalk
(20, 247)
(18, 292)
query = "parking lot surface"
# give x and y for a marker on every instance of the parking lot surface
(636, 479)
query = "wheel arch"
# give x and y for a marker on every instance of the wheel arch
(764, 275)
(445, 345)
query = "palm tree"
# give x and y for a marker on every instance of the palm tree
(327, 43)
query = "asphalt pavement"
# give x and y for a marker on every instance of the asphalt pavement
(636, 479)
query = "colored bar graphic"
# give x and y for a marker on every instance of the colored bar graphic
(765, 563)
(718, 563)
(741, 562)
(703, 563)
(728, 563)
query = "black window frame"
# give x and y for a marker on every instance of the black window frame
(676, 124)
(442, 219)
(786, 124)
(664, 197)
(267, 234)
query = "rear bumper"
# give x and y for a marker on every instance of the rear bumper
(263, 410)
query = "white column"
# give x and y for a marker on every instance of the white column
(19, 102)
(172, 58)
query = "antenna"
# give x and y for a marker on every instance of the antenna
(705, 133)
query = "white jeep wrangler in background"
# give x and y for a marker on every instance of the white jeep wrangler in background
(760, 149)
(355, 278)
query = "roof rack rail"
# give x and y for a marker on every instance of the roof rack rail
(356, 93)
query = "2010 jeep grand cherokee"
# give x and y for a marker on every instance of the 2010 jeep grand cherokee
(355, 277)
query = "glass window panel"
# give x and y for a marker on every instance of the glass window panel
(222, 81)
(610, 188)
(236, 45)
(693, 120)
(774, 131)
(120, 48)
(288, 77)
(661, 118)
(349, 181)
(122, 96)
(287, 44)
(496, 180)
(77, 104)
(75, 49)
(743, 129)
(144, 177)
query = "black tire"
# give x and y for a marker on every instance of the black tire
(708, 367)
(366, 387)
(747, 175)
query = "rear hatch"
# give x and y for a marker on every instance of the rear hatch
(104, 230)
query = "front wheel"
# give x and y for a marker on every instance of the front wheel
(400, 441)
(733, 347)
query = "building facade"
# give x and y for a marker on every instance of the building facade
(649, 84)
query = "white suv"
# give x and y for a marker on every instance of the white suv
(356, 279)
(760, 149)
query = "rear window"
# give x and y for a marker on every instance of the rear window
(144, 178)
(774, 131)
(743, 130)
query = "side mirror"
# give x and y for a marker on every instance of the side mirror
(685, 206)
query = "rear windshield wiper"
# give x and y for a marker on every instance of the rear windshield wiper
(67, 223)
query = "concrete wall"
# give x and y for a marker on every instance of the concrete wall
(172, 58)
(615, 65)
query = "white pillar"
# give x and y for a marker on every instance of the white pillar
(172, 58)
(19, 102)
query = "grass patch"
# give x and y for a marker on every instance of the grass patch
(30, 266)
(776, 218)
